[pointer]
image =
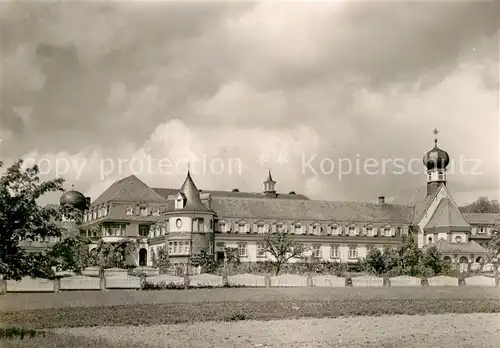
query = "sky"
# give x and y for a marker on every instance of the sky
(338, 99)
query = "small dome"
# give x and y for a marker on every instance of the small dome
(73, 198)
(436, 158)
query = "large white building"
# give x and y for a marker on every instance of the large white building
(187, 220)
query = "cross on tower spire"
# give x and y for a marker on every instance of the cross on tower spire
(436, 132)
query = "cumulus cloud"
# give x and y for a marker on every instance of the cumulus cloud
(98, 83)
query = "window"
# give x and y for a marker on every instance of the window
(353, 252)
(440, 176)
(429, 240)
(163, 230)
(210, 248)
(105, 211)
(144, 211)
(242, 249)
(242, 227)
(334, 252)
(369, 231)
(179, 203)
(156, 212)
(429, 177)
(481, 230)
(261, 250)
(94, 215)
(280, 228)
(211, 225)
(181, 247)
(387, 232)
(316, 251)
(114, 230)
(130, 211)
(369, 248)
(335, 230)
(198, 225)
(143, 230)
(260, 228)
(458, 239)
(317, 229)
(85, 218)
(297, 228)
(352, 231)
(224, 227)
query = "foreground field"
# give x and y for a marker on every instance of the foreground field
(429, 331)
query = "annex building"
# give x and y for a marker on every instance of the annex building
(186, 220)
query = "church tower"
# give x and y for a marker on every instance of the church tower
(436, 161)
(269, 189)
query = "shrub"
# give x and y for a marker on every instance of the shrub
(14, 333)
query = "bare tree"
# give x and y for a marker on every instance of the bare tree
(283, 247)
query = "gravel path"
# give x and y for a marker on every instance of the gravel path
(428, 331)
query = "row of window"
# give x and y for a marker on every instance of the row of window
(316, 229)
(95, 214)
(142, 211)
(316, 251)
(181, 247)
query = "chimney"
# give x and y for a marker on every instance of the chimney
(291, 192)
(87, 201)
(236, 190)
(381, 200)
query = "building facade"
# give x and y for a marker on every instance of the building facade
(187, 220)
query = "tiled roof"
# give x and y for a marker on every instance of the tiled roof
(129, 189)
(482, 218)
(416, 197)
(165, 192)
(273, 208)
(447, 215)
(446, 247)
(192, 195)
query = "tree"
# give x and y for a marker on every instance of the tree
(111, 255)
(481, 205)
(204, 260)
(282, 248)
(21, 218)
(162, 261)
(409, 255)
(493, 255)
(70, 254)
(433, 260)
(375, 262)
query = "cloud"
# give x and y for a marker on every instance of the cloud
(181, 81)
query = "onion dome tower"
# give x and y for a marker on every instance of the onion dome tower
(75, 199)
(436, 160)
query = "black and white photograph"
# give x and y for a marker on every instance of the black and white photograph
(243, 174)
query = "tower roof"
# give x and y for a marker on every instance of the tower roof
(192, 195)
(436, 158)
(270, 178)
(447, 215)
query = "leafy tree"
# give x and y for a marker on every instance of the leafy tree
(111, 255)
(21, 219)
(282, 248)
(205, 261)
(71, 254)
(409, 255)
(375, 262)
(482, 205)
(162, 261)
(494, 247)
(433, 260)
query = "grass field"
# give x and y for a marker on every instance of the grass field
(81, 309)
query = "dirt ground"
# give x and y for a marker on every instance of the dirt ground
(426, 331)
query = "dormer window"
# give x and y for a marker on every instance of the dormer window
(130, 211)
(156, 212)
(482, 230)
(280, 228)
(369, 231)
(260, 228)
(198, 225)
(458, 239)
(143, 211)
(316, 229)
(105, 211)
(335, 230)
(297, 228)
(85, 218)
(352, 231)
(387, 232)
(94, 215)
(99, 212)
(242, 227)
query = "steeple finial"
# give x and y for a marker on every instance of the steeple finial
(73, 186)
(436, 132)
(189, 166)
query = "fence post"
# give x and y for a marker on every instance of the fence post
(387, 281)
(309, 280)
(102, 280)
(267, 280)
(3, 286)
(57, 284)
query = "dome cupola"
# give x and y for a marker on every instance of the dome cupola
(73, 198)
(436, 158)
